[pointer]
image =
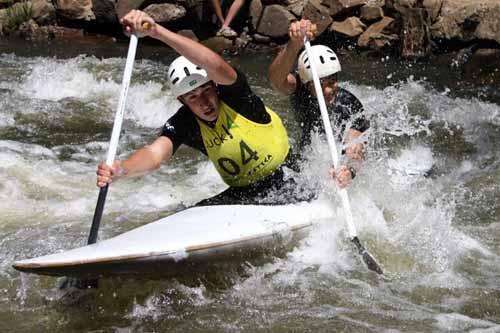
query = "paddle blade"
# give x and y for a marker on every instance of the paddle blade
(369, 260)
(81, 284)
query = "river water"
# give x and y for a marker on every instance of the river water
(427, 203)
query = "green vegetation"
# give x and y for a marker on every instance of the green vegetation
(16, 15)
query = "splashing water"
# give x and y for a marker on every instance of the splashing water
(424, 204)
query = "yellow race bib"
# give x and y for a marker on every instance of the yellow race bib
(243, 151)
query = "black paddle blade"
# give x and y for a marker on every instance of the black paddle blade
(81, 284)
(369, 260)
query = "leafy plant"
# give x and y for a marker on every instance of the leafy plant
(17, 14)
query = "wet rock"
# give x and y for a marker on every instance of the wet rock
(434, 8)
(75, 9)
(371, 13)
(122, 7)
(374, 36)
(415, 35)
(318, 14)
(275, 21)
(467, 20)
(219, 44)
(189, 34)
(32, 31)
(258, 38)
(350, 27)
(255, 13)
(165, 12)
(340, 7)
(104, 11)
(242, 41)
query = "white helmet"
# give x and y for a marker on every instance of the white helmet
(327, 63)
(184, 76)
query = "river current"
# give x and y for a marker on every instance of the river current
(426, 204)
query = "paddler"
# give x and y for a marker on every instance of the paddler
(290, 73)
(220, 116)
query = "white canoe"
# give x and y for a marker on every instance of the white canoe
(186, 240)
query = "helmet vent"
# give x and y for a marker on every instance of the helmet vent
(198, 68)
(322, 59)
(186, 70)
(172, 72)
(175, 80)
(306, 60)
(333, 58)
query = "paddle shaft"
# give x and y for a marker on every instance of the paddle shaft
(351, 230)
(115, 136)
(330, 138)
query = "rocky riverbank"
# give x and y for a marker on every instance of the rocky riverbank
(410, 29)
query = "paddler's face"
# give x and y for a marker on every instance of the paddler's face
(329, 86)
(203, 101)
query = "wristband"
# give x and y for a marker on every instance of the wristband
(353, 172)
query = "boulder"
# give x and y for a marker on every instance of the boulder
(341, 7)
(374, 36)
(122, 7)
(219, 44)
(255, 13)
(371, 13)
(189, 34)
(433, 7)
(275, 21)
(44, 12)
(404, 3)
(415, 35)
(318, 14)
(104, 11)
(296, 7)
(467, 20)
(258, 38)
(75, 9)
(165, 12)
(350, 27)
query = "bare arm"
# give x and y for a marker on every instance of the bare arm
(141, 162)
(217, 68)
(284, 63)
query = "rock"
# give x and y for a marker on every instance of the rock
(376, 3)
(32, 31)
(318, 14)
(258, 38)
(373, 36)
(44, 12)
(434, 8)
(340, 7)
(75, 9)
(404, 3)
(415, 35)
(242, 41)
(467, 20)
(296, 7)
(275, 21)
(189, 34)
(371, 13)
(104, 11)
(219, 44)
(122, 7)
(255, 13)
(165, 12)
(350, 27)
